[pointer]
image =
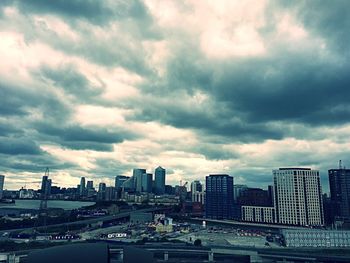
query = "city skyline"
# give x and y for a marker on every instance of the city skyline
(234, 87)
(113, 181)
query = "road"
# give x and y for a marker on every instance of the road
(247, 224)
(87, 221)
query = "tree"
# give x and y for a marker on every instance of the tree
(197, 242)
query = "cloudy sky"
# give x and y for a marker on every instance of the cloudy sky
(95, 88)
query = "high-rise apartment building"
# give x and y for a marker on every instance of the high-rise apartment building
(197, 193)
(219, 196)
(339, 185)
(2, 180)
(159, 178)
(196, 186)
(298, 197)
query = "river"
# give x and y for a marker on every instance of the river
(34, 204)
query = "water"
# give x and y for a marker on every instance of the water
(34, 204)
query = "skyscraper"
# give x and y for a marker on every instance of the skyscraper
(298, 196)
(197, 194)
(159, 178)
(339, 184)
(119, 180)
(101, 195)
(2, 180)
(137, 175)
(89, 185)
(82, 187)
(147, 182)
(90, 191)
(219, 196)
(110, 193)
(129, 185)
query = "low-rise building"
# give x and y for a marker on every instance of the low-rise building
(258, 214)
(139, 218)
(26, 193)
(316, 238)
(198, 197)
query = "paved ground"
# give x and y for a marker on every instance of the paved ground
(226, 239)
(97, 232)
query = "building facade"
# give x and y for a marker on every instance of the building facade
(219, 196)
(237, 190)
(159, 178)
(44, 184)
(339, 184)
(137, 174)
(196, 186)
(316, 238)
(258, 214)
(298, 197)
(147, 182)
(254, 197)
(2, 180)
(119, 180)
(82, 187)
(101, 195)
(110, 193)
(198, 197)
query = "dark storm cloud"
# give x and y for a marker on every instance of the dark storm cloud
(97, 12)
(111, 168)
(256, 98)
(82, 145)
(20, 99)
(212, 119)
(21, 102)
(14, 103)
(94, 11)
(16, 146)
(7, 129)
(33, 163)
(327, 19)
(215, 152)
(80, 134)
(71, 81)
(131, 24)
(298, 88)
(83, 138)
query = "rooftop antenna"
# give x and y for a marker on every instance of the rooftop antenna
(340, 166)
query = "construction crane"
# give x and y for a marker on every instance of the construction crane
(185, 184)
(43, 200)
